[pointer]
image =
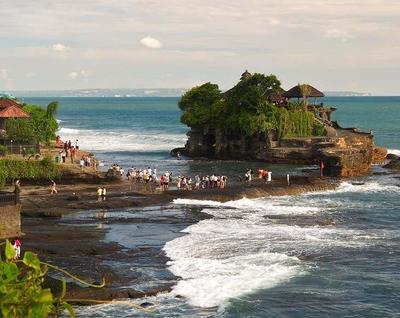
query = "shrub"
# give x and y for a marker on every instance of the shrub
(3, 150)
(11, 169)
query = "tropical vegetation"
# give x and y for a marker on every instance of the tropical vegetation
(246, 109)
(21, 291)
(32, 170)
(41, 126)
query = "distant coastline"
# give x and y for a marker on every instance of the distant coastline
(345, 94)
(137, 92)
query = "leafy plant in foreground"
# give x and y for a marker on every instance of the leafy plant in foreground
(21, 292)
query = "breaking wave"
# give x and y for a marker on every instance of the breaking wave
(104, 141)
(394, 152)
(241, 250)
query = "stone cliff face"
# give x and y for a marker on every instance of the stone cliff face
(344, 153)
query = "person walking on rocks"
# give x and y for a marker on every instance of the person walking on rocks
(73, 154)
(17, 190)
(269, 176)
(53, 189)
(99, 194)
(104, 193)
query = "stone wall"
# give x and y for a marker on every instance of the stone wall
(10, 221)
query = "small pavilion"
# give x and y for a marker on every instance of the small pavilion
(10, 108)
(303, 91)
(306, 91)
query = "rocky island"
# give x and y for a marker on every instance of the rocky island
(258, 120)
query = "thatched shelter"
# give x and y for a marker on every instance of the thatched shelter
(298, 92)
(10, 109)
(277, 98)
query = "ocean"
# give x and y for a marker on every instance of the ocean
(267, 257)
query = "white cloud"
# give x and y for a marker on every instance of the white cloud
(73, 75)
(151, 43)
(339, 34)
(211, 40)
(78, 74)
(59, 47)
(274, 21)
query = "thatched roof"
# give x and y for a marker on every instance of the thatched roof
(13, 112)
(8, 102)
(277, 97)
(296, 92)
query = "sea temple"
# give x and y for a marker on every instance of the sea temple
(258, 120)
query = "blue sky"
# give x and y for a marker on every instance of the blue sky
(332, 44)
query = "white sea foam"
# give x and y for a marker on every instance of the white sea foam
(64, 131)
(371, 186)
(99, 140)
(240, 251)
(394, 151)
(218, 262)
(249, 206)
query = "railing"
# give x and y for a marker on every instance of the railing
(8, 198)
(20, 149)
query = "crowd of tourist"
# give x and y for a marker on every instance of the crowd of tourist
(69, 153)
(146, 175)
(204, 182)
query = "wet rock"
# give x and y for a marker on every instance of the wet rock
(393, 164)
(73, 197)
(391, 156)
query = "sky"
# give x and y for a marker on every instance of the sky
(75, 44)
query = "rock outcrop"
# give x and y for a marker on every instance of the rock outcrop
(344, 152)
(394, 164)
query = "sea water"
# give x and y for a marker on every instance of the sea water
(328, 254)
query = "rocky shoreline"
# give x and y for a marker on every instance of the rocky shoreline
(78, 244)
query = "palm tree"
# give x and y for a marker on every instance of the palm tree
(52, 109)
(52, 124)
(305, 90)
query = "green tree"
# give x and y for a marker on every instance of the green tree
(247, 106)
(20, 130)
(202, 105)
(43, 121)
(251, 92)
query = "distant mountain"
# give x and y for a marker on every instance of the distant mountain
(345, 93)
(103, 92)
